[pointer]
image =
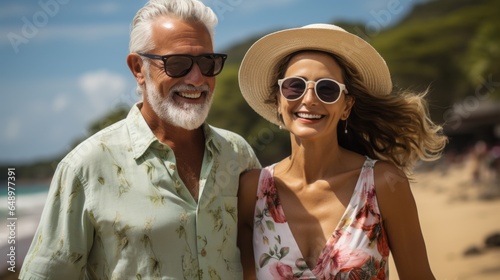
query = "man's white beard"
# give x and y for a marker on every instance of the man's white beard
(184, 115)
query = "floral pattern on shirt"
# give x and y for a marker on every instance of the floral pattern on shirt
(357, 249)
(118, 209)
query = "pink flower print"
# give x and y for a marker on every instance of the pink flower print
(275, 209)
(367, 218)
(348, 259)
(325, 263)
(281, 271)
(371, 270)
(382, 243)
(337, 256)
(381, 270)
(267, 187)
(273, 203)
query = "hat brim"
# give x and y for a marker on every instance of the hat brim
(256, 70)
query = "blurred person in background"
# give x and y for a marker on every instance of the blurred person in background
(154, 195)
(495, 163)
(479, 165)
(341, 201)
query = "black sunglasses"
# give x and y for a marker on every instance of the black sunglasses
(178, 65)
(327, 90)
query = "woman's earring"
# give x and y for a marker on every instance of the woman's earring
(345, 128)
(280, 118)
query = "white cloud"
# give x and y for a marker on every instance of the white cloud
(102, 88)
(17, 35)
(60, 103)
(106, 8)
(13, 129)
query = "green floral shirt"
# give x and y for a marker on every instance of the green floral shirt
(117, 209)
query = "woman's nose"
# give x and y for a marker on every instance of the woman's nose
(310, 95)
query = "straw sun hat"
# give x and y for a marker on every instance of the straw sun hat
(260, 61)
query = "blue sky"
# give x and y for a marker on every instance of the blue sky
(63, 61)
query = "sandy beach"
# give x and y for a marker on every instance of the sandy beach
(455, 214)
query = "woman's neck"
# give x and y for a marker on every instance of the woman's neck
(313, 160)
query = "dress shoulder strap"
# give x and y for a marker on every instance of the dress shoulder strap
(266, 173)
(369, 163)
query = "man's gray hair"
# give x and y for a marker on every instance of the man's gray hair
(189, 10)
(141, 29)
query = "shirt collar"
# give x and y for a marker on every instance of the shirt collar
(211, 141)
(141, 136)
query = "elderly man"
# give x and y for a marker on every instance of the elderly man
(152, 196)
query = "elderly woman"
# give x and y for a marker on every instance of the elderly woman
(341, 202)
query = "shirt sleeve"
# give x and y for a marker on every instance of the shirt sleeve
(254, 161)
(64, 236)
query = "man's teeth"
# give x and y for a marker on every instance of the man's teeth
(190, 95)
(308, 116)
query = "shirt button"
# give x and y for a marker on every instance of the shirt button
(171, 166)
(203, 252)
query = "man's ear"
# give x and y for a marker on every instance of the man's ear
(135, 64)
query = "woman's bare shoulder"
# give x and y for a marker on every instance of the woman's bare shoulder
(250, 177)
(393, 190)
(389, 178)
(249, 181)
(247, 197)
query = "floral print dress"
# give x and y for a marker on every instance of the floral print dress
(357, 249)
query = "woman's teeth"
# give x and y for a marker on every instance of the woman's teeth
(308, 116)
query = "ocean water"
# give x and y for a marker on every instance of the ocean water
(28, 197)
(25, 188)
(29, 202)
